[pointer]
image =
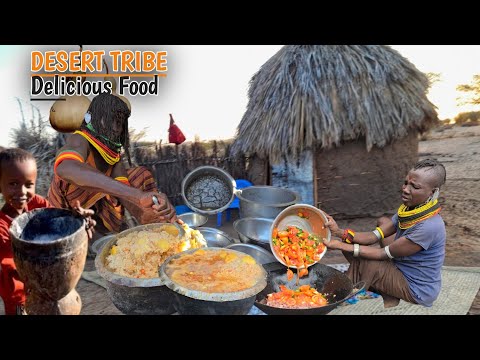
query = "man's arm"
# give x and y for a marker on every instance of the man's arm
(166, 211)
(89, 178)
(138, 203)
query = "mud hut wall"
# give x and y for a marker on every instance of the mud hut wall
(352, 182)
(297, 176)
(169, 164)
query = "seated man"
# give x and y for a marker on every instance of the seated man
(408, 265)
(89, 169)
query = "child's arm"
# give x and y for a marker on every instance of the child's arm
(87, 214)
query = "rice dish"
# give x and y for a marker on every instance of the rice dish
(139, 254)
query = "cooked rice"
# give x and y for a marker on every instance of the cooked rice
(140, 253)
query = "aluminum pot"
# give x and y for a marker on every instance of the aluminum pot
(208, 190)
(196, 302)
(134, 296)
(265, 201)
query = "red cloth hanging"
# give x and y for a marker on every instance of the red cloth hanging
(175, 135)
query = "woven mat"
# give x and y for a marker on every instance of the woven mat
(459, 288)
(93, 276)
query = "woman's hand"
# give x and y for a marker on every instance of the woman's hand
(333, 226)
(86, 214)
(332, 244)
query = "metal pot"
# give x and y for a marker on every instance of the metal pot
(265, 201)
(134, 296)
(196, 302)
(208, 190)
(335, 285)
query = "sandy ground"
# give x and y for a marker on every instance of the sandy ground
(457, 148)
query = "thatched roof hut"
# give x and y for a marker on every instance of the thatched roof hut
(319, 98)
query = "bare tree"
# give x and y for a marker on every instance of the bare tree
(473, 90)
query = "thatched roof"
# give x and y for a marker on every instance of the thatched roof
(321, 95)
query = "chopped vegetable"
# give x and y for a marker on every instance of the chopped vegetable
(304, 297)
(296, 247)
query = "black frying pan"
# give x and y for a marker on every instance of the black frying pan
(335, 285)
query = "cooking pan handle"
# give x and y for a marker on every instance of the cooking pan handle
(359, 286)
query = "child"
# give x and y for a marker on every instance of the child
(18, 175)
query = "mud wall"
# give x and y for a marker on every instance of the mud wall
(352, 182)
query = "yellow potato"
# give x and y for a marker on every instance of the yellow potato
(171, 229)
(248, 260)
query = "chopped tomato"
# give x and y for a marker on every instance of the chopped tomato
(302, 298)
(289, 274)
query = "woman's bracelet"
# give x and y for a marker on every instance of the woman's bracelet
(356, 250)
(379, 233)
(348, 236)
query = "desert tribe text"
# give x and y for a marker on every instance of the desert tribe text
(60, 73)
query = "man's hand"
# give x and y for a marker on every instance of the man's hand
(166, 211)
(87, 214)
(147, 212)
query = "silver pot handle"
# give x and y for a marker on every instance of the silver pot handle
(237, 192)
(155, 200)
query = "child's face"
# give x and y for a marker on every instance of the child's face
(18, 183)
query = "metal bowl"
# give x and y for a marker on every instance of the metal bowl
(260, 255)
(193, 220)
(312, 220)
(134, 296)
(215, 237)
(254, 230)
(196, 302)
(208, 190)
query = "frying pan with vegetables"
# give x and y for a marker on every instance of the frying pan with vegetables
(335, 285)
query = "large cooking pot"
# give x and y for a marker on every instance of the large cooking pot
(189, 301)
(335, 285)
(265, 201)
(132, 296)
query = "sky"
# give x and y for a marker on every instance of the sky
(206, 86)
